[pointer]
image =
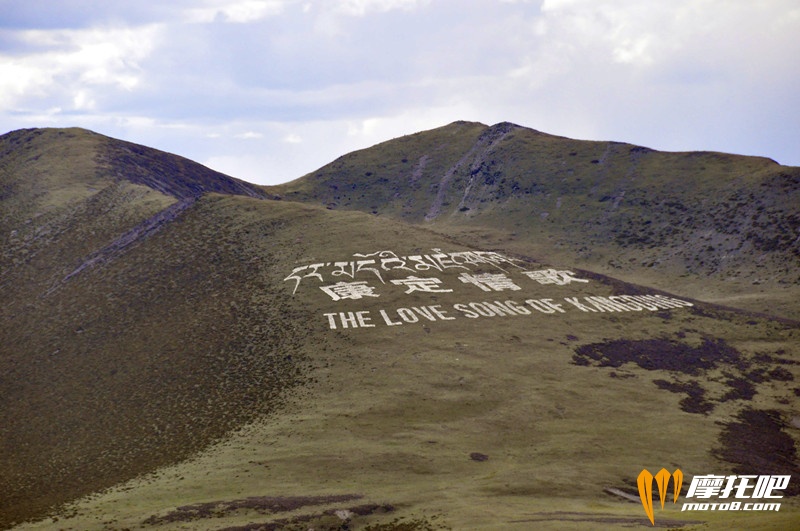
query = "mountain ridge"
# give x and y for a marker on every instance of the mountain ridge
(182, 350)
(615, 207)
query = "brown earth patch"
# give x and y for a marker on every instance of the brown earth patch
(563, 516)
(330, 520)
(259, 504)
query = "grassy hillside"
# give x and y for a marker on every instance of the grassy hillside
(710, 225)
(102, 358)
(225, 361)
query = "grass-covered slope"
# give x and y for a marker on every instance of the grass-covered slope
(121, 299)
(713, 225)
(221, 361)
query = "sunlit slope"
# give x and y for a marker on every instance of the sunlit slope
(431, 401)
(718, 226)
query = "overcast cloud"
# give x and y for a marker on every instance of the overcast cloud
(268, 90)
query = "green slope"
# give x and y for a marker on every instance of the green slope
(180, 350)
(711, 225)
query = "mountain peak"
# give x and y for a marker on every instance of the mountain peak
(596, 198)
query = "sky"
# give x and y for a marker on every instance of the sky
(269, 90)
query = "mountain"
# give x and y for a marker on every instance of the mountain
(400, 340)
(714, 226)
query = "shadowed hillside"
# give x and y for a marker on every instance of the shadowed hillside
(183, 350)
(714, 226)
(123, 300)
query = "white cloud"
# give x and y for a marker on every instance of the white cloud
(74, 65)
(235, 11)
(362, 7)
(18, 79)
(83, 102)
(249, 135)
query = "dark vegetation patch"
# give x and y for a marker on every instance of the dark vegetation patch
(695, 401)
(741, 388)
(660, 354)
(712, 360)
(622, 376)
(781, 374)
(259, 504)
(757, 444)
(767, 358)
(407, 524)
